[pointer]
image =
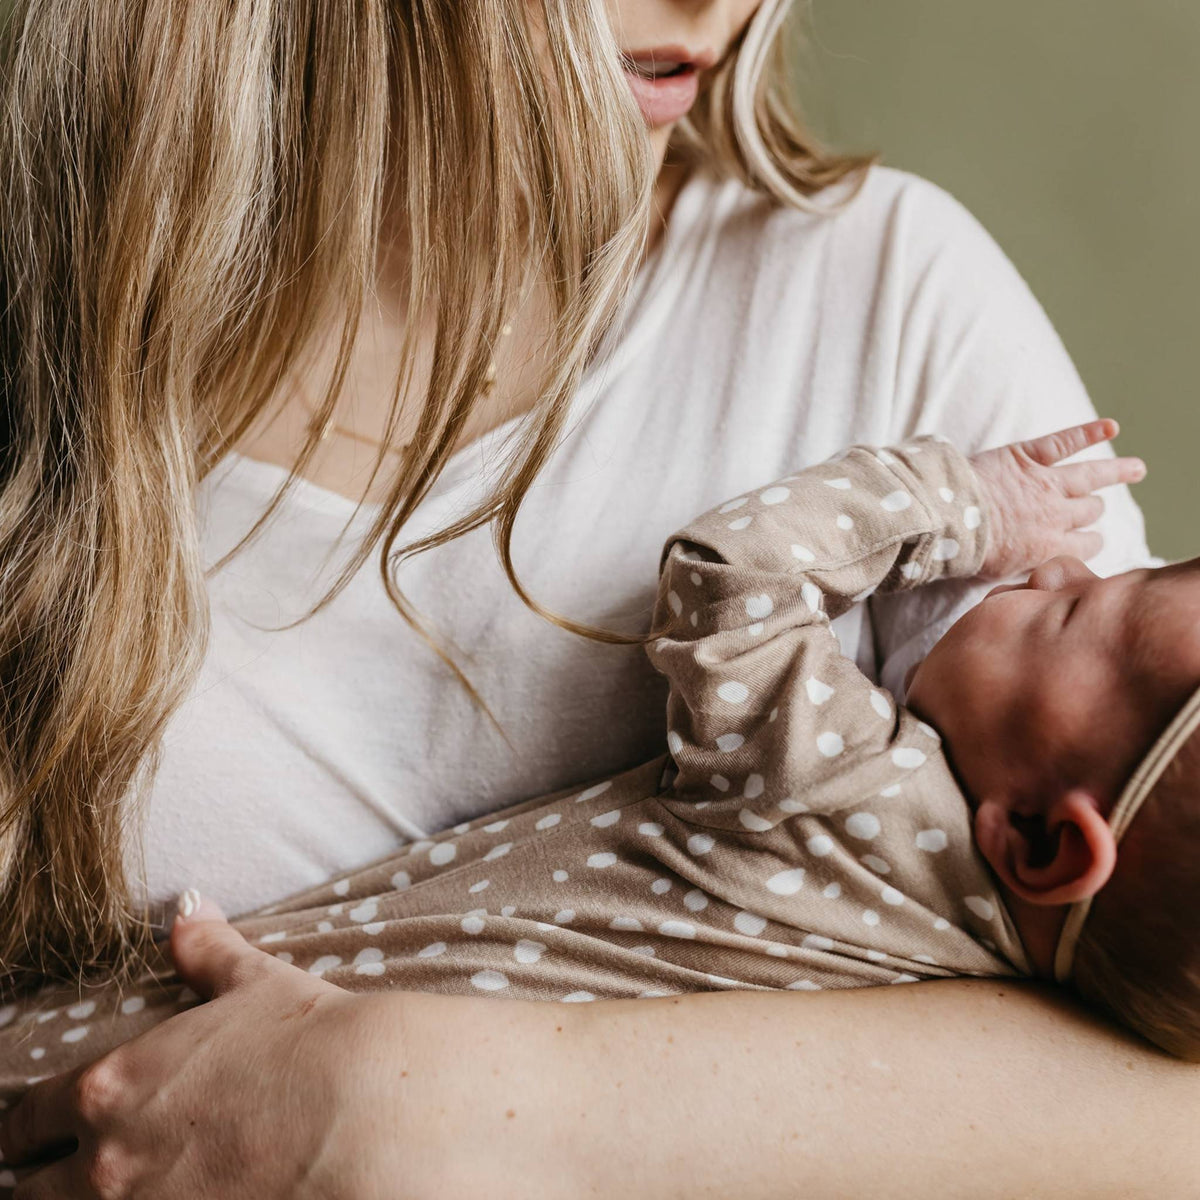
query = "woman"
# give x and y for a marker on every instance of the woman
(480, 165)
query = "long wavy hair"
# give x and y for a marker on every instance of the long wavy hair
(191, 194)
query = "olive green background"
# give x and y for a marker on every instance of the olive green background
(1068, 127)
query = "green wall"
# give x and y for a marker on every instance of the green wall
(1067, 127)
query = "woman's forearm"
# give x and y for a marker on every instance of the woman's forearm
(960, 1089)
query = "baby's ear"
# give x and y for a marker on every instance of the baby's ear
(1061, 856)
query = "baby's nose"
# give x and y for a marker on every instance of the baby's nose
(1058, 573)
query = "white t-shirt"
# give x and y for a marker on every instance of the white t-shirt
(760, 340)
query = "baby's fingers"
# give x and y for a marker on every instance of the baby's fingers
(1078, 479)
(1086, 510)
(1054, 447)
(1083, 544)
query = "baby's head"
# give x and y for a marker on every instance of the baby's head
(1048, 696)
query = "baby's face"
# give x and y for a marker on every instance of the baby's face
(1063, 681)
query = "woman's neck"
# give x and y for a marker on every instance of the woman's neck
(342, 465)
(672, 176)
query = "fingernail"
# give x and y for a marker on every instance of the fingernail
(192, 906)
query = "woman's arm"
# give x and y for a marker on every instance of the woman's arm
(284, 1087)
(962, 1089)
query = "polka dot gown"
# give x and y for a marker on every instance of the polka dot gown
(801, 832)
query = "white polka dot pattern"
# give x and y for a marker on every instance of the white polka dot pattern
(863, 825)
(791, 803)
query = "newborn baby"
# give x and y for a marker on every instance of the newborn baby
(804, 831)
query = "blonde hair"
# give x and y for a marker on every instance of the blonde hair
(191, 194)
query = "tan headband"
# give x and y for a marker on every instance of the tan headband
(1140, 785)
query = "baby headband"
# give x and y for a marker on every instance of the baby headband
(1131, 799)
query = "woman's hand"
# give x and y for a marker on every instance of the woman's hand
(991, 1089)
(256, 1094)
(1038, 507)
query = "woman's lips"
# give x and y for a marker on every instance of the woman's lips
(665, 81)
(665, 100)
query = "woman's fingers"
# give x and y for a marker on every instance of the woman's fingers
(209, 954)
(43, 1120)
(1078, 479)
(1054, 447)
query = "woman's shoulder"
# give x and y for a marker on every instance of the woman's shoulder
(891, 221)
(899, 258)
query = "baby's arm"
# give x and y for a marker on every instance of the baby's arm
(762, 700)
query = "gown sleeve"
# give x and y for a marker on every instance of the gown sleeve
(763, 706)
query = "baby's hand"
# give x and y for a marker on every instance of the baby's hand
(1039, 509)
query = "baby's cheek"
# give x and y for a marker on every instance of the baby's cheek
(1091, 711)
(970, 688)
(930, 694)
